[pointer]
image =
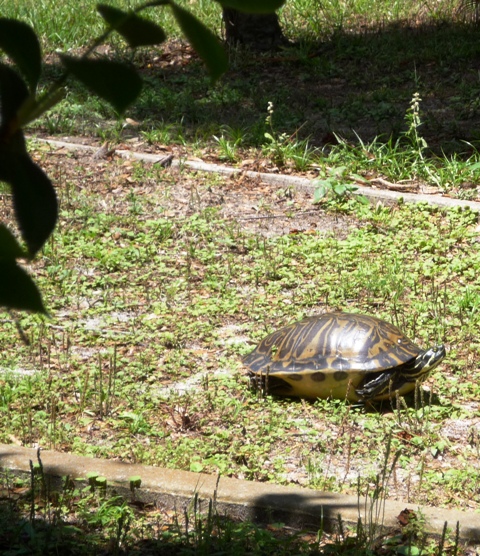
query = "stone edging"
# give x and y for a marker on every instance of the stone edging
(242, 500)
(279, 179)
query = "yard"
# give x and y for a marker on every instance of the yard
(158, 280)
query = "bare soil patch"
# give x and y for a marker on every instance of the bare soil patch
(251, 204)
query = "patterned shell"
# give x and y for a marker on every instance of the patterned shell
(332, 343)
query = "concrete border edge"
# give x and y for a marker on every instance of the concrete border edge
(238, 499)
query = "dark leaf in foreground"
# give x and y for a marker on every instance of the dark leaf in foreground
(136, 30)
(19, 41)
(34, 199)
(13, 93)
(113, 81)
(17, 289)
(9, 246)
(203, 41)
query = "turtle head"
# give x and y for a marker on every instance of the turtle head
(427, 361)
(402, 378)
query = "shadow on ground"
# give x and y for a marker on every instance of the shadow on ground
(348, 84)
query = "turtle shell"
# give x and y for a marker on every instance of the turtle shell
(332, 355)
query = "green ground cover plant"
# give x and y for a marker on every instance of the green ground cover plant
(140, 359)
(159, 300)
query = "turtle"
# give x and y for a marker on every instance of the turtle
(340, 355)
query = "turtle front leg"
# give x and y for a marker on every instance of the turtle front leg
(380, 386)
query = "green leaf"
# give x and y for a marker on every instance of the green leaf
(339, 171)
(9, 246)
(359, 178)
(408, 550)
(113, 81)
(17, 289)
(136, 30)
(253, 6)
(339, 189)
(320, 193)
(13, 93)
(34, 199)
(196, 467)
(20, 43)
(203, 41)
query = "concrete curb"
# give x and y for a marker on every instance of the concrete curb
(242, 500)
(279, 179)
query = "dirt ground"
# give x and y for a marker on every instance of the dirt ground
(254, 205)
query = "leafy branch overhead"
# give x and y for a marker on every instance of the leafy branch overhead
(34, 199)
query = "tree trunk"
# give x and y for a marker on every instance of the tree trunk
(259, 32)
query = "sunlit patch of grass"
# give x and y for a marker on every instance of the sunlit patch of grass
(74, 26)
